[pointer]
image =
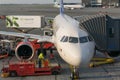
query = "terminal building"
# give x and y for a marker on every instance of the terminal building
(36, 1)
(99, 3)
(88, 3)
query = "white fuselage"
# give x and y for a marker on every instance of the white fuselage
(70, 6)
(72, 43)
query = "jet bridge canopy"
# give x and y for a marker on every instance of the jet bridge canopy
(104, 29)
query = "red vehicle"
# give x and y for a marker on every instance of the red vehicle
(3, 55)
(30, 69)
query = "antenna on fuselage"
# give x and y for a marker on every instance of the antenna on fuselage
(61, 7)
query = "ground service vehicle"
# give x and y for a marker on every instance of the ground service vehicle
(30, 69)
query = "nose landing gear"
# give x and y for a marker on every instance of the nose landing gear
(74, 73)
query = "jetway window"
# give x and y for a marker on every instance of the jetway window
(83, 39)
(73, 39)
(111, 32)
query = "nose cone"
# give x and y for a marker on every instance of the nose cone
(76, 57)
(87, 52)
(80, 56)
(73, 56)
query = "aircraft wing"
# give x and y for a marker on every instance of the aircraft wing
(33, 36)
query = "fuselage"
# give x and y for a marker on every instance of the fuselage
(70, 5)
(73, 44)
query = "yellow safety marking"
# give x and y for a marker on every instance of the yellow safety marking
(101, 61)
(4, 75)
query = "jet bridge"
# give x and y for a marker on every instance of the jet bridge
(104, 29)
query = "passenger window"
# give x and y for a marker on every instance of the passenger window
(83, 39)
(73, 39)
(111, 32)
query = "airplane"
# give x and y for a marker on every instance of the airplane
(70, 6)
(74, 45)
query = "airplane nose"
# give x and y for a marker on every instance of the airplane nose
(76, 58)
(75, 55)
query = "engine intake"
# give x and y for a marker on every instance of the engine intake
(25, 51)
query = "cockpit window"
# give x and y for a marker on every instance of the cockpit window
(73, 39)
(76, 39)
(64, 39)
(83, 39)
(90, 38)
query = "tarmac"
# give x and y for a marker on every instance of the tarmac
(103, 72)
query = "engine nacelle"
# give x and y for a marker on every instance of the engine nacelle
(25, 51)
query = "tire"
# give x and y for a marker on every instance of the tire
(55, 72)
(13, 73)
(12, 53)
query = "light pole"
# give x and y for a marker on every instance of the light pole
(109, 3)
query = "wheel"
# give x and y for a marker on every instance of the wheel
(12, 53)
(55, 72)
(13, 73)
(71, 8)
(74, 75)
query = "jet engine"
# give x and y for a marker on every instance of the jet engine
(25, 50)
